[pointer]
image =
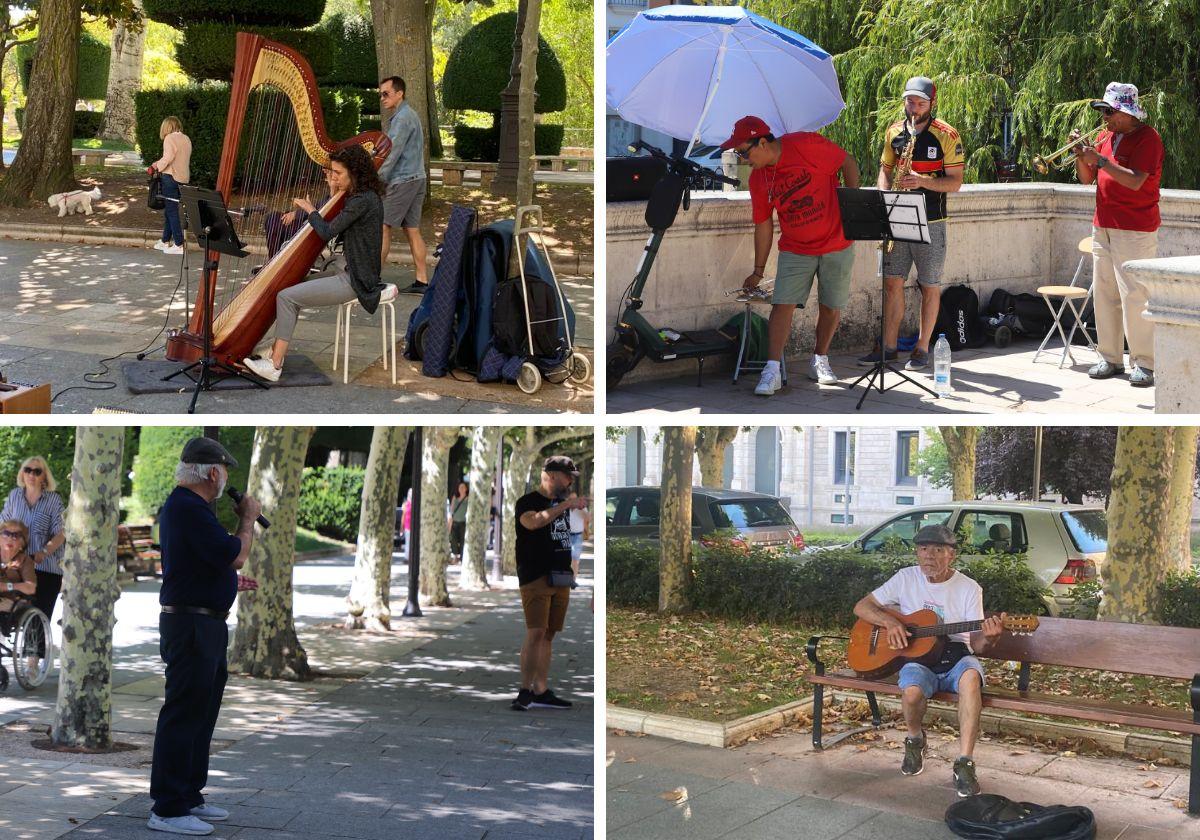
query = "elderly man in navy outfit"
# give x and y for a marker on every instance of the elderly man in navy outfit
(200, 581)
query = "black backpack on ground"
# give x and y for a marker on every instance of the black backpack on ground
(990, 816)
(958, 318)
(1025, 313)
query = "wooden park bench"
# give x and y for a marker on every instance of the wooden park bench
(137, 553)
(1149, 650)
(563, 163)
(89, 157)
(454, 170)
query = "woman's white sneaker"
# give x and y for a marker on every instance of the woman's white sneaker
(770, 382)
(262, 368)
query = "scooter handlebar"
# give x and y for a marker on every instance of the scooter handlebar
(681, 164)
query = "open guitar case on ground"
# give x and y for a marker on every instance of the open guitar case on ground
(990, 816)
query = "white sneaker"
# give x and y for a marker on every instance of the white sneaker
(210, 812)
(172, 249)
(770, 382)
(820, 370)
(178, 825)
(159, 245)
(262, 368)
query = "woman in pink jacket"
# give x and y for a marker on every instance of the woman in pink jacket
(173, 167)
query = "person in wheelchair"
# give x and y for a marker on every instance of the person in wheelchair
(18, 580)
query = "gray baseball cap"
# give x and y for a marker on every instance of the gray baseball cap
(935, 535)
(560, 463)
(921, 86)
(202, 450)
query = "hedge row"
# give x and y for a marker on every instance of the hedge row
(478, 69)
(352, 61)
(207, 50)
(158, 455)
(817, 590)
(92, 76)
(203, 108)
(484, 143)
(1179, 599)
(331, 500)
(87, 123)
(181, 13)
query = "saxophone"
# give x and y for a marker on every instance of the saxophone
(903, 166)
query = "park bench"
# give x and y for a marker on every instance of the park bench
(563, 163)
(137, 553)
(1148, 650)
(89, 157)
(454, 170)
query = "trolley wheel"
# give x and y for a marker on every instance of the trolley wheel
(580, 368)
(33, 648)
(529, 379)
(1003, 336)
(418, 342)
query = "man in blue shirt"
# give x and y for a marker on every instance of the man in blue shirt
(200, 581)
(404, 174)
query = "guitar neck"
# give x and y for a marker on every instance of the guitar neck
(945, 629)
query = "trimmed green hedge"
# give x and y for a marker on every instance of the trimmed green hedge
(87, 123)
(352, 61)
(158, 455)
(478, 69)
(331, 500)
(180, 13)
(809, 589)
(207, 50)
(92, 77)
(484, 143)
(1179, 599)
(203, 108)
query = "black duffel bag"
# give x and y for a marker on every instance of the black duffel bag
(990, 816)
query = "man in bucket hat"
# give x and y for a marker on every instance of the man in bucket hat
(1126, 166)
(796, 176)
(933, 584)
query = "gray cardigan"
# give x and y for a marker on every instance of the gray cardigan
(361, 226)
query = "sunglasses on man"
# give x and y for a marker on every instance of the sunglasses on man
(1106, 111)
(744, 154)
(32, 470)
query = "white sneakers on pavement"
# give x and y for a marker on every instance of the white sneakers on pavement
(210, 812)
(159, 245)
(178, 825)
(263, 368)
(172, 249)
(770, 382)
(820, 370)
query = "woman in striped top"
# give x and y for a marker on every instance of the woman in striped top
(34, 502)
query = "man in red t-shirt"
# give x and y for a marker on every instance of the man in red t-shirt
(796, 176)
(1126, 165)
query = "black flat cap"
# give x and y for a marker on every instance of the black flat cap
(560, 463)
(202, 450)
(936, 535)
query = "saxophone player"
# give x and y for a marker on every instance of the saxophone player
(921, 153)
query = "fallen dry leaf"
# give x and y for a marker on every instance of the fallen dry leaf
(1017, 752)
(1180, 804)
(1151, 783)
(679, 795)
(630, 761)
(610, 758)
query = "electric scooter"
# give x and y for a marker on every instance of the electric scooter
(635, 336)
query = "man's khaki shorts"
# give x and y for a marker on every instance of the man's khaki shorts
(545, 605)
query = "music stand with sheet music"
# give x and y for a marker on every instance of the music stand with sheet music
(883, 216)
(209, 219)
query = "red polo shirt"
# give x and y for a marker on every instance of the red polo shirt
(802, 188)
(1120, 207)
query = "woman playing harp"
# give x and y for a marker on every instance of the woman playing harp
(360, 225)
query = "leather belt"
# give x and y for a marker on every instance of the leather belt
(197, 611)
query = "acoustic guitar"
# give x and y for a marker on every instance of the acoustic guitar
(871, 657)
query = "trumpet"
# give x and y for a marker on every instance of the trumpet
(1062, 158)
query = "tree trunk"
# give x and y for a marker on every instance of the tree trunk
(124, 80)
(434, 147)
(961, 448)
(1183, 482)
(525, 119)
(43, 162)
(368, 599)
(484, 446)
(265, 643)
(401, 28)
(711, 443)
(435, 540)
(83, 711)
(675, 520)
(1138, 513)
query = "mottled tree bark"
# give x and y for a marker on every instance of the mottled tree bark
(83, 712)
(1138, 514)
(711, 443)
(1183, 482)
(265, 643)
(368, 601)
(960, 448)
(675, 520)
(485, 447)
(435, 539)
(401, 29)
(124, 79)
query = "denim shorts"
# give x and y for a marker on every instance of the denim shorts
(930, 258)
(930, 683)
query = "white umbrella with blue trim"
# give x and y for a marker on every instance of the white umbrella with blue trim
(692, 71)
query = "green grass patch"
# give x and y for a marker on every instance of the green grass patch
(307, 540)
(105, 145)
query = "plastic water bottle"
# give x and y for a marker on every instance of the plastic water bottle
(941, 366)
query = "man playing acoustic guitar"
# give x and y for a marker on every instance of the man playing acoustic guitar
(933, 585)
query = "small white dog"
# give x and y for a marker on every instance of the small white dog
(79, 201)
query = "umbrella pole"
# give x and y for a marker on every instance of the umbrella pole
(712, 93)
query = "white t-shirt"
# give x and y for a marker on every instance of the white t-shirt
(577, 521)
(957, 599)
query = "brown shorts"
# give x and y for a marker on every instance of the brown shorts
(545, 605)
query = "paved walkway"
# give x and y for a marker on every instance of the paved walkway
(986, 381)
(69, 306)
(780, 788)
(407, 734)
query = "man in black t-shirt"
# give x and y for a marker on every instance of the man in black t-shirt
(200, 581)
(544, 547)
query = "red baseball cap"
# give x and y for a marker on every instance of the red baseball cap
(745, 130)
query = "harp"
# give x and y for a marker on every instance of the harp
(276, 147)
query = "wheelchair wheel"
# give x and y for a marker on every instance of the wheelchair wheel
(30, 665)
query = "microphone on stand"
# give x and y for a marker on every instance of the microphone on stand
(237, 496)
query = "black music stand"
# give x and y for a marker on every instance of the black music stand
(209, 220)
(883, 216)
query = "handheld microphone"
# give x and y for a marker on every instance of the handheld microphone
(237, 495)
